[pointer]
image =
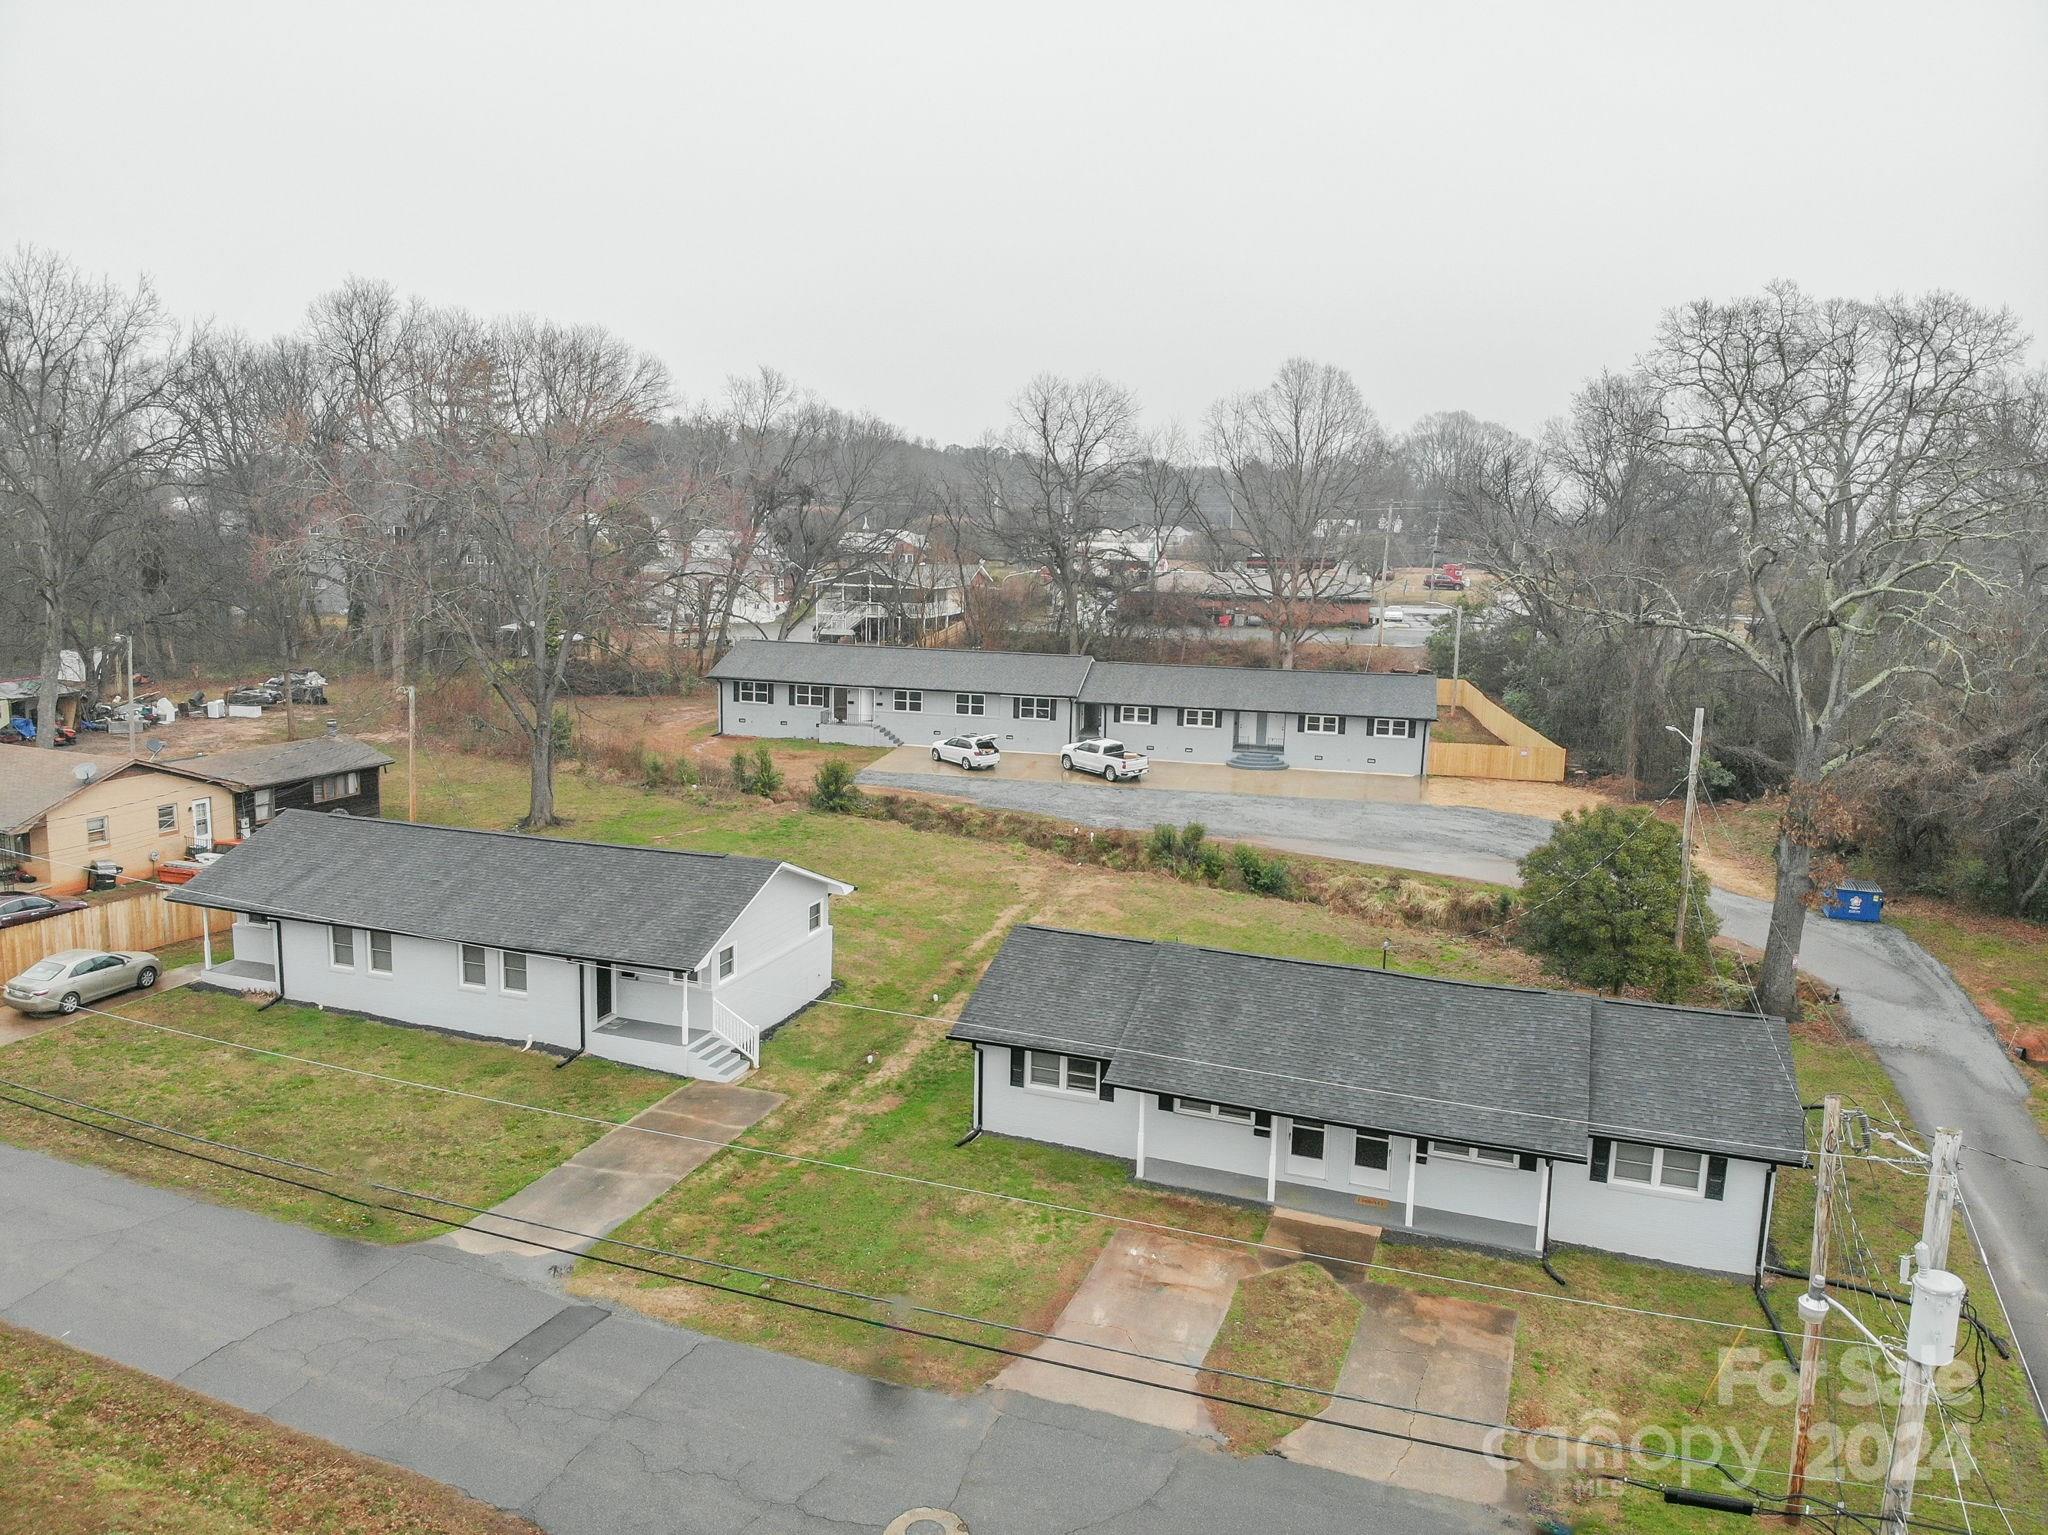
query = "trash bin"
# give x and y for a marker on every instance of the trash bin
(1854, 903)
(102, 874)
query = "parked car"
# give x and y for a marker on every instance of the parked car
(65, 981)
(1110, 759)
(17, 909)
(970, 752)
(1393, 615)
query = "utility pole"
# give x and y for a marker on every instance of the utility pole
(1692, 789)
(1930, 1342)
(1458, 641)
(412, 769)
(129, 640)
(1813, 1305)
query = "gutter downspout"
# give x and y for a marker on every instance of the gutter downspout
(583, 1018)
(1763, 1230)
(974, 1129)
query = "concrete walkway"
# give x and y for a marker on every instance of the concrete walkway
(587, 1419)
(1422, 1351)
(620, 1173)
(1149, 1292)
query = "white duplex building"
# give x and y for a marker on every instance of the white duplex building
(1251, 717)
(1497, 1116)
(671, 960)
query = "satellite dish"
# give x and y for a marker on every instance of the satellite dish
(86, 772)
(156, 746)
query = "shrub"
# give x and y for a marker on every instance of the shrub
(833, 789)
(1210, 862)
(1261, 875)
(1163, 846)
(765, 777)
(1600, 903)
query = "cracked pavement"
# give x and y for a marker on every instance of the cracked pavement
(625, 1425)
(1939, 1048)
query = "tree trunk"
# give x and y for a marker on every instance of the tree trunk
(1778, 988)
(53, 663)
(540, 808)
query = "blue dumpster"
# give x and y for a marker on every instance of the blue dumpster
(1854, 903)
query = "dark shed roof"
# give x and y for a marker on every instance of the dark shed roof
(265, 767)
(585, 900)
(1507, 1066)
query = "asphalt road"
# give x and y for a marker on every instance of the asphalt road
(475, 1372)
(1938, 1047)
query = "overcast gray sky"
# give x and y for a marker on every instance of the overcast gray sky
(914, 208)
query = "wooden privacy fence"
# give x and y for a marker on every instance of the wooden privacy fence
(1523, 755)
(144, 920)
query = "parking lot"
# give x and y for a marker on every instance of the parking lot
(1164, 777)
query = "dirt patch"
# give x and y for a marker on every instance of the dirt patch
(1461, 728)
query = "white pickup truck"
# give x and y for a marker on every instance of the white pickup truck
(1110, 759)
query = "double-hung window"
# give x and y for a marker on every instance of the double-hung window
(96, 830)
(970, 703)
(380, 953)
(1053, 1073)
(1322, 724)
(1399, 728)
(753, 692)
(725, 962)
(1198, 719)
(167, 818)
(1369, 1157)
(809, 695)
(335, 786)
(1465, 1152)
(1657, 1167)
(1134, 714)
(341, 947)
(1035, 708)
(512, 972)
(475, 969)
(265, 805)
(1202, 1109)
(907, 701)
(817, 915)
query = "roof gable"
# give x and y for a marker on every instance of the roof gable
(583, 900)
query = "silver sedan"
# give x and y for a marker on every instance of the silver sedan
(65, 981)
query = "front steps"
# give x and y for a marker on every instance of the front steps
(712, 1059)
(1258, 759)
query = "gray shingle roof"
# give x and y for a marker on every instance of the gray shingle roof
(891, 666)
(584, 900)
(282, 762)
(1706, 1080)
(1388, 695)
(34, 780)
(1505, 1066)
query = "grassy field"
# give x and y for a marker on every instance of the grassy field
(88, 1447)
(1291, 1324)
(466, 1150)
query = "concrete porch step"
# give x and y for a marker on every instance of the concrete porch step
(1258, 760)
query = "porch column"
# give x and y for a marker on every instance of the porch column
(1408, 1216)
(1141, 1135)
(205, 938)
(1273, 1162)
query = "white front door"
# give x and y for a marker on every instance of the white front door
(202, 823)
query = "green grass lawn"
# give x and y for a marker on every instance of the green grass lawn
(88, 1447)
(466, 1150)
(1293, 1324)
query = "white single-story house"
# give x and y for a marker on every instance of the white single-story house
(1496, 1116)
(1252, 717)
(676, 961)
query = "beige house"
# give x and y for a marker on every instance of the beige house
(61, 811)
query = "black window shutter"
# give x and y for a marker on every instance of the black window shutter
(1528, 1161)
(1301, 724)
(1421, 1152)
(1340, 724)
(1717, 1177)
(1016, 1067)
(1016, 708)
(1598, 1172)
(735, 691)
(1166, 1102)
(1262, 1122)
(1102, 1088)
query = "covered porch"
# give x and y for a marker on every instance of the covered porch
(249, 962)
(667, 1025)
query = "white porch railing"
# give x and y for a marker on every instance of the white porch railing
(736, 1031)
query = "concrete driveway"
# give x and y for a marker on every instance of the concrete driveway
(1427, 1352)
(1939, 1048)
(1149, 1292)
(620, 1173)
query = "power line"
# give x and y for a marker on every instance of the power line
(939, 1185)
